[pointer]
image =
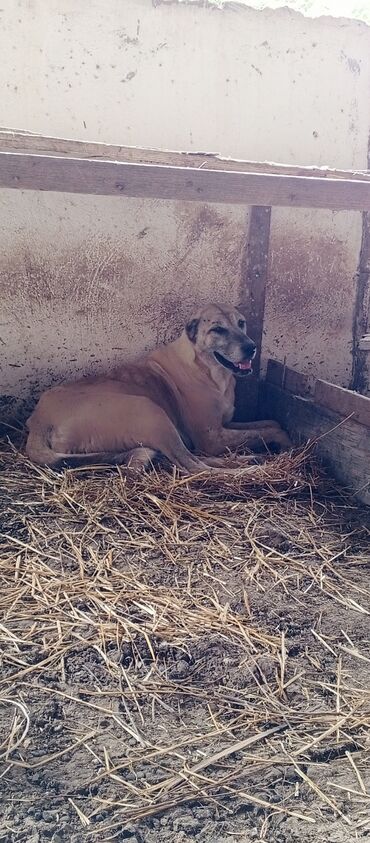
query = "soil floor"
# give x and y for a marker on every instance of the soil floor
(180, 665)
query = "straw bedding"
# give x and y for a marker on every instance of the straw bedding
(183, 659)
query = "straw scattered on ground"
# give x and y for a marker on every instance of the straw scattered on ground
(183, 658)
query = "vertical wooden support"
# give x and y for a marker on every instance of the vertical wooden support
(360, 358)
(254, 281)
(360, 381)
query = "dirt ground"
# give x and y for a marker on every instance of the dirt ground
(182, 663)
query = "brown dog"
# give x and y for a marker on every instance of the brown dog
(178, 401)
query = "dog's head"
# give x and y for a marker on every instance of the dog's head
(220, 330)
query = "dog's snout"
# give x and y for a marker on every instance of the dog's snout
(249, 348)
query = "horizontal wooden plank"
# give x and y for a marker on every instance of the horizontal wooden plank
(116, 178)
(345, 402)
(287, 378)
(344, 446)
(28, 142)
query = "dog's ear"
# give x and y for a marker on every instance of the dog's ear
(191, 329)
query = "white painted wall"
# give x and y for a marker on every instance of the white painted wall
(84, 279)
(245, 83)
(312, 289)
(89, 281)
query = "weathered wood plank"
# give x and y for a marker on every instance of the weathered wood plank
(359, 380)
(346, 402)
(345, 449)
(29, 142)
(116, 178)
(289, 379)
(255, 272)
(343, 401)
(254, 281)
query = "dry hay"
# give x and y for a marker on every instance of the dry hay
(169, 642)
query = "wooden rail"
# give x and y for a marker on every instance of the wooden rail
(34, 162)
(154, 181)
(21, 141)
(338, 419)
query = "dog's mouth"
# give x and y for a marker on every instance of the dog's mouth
(242, 368)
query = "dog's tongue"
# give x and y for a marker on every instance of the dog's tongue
(245, 365)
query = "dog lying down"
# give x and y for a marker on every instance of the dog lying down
(177, 402)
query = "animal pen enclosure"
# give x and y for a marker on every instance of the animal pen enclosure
(186, 659)
(49, 164)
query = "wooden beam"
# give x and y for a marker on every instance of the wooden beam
(343, 401)
(255, 275)
(28, 142)
(343, 444)
(360, 368)
(115, 178)
(254, 281)
(279, 375)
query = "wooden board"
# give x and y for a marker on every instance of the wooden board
(359, 379)
(346, 402)
(344, 446)
(118, 178)
(280, 375)
(343, 401)
(254, 275)
(254, 282)
(29, 142)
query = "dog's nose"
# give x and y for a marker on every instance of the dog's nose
(250, 349)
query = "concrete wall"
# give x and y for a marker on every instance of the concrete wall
(89, 281)
(85, 280)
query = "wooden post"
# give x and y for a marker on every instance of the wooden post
(254, 281)
(361, 315)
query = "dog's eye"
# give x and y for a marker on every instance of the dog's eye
(218, 330)
(241, 324)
